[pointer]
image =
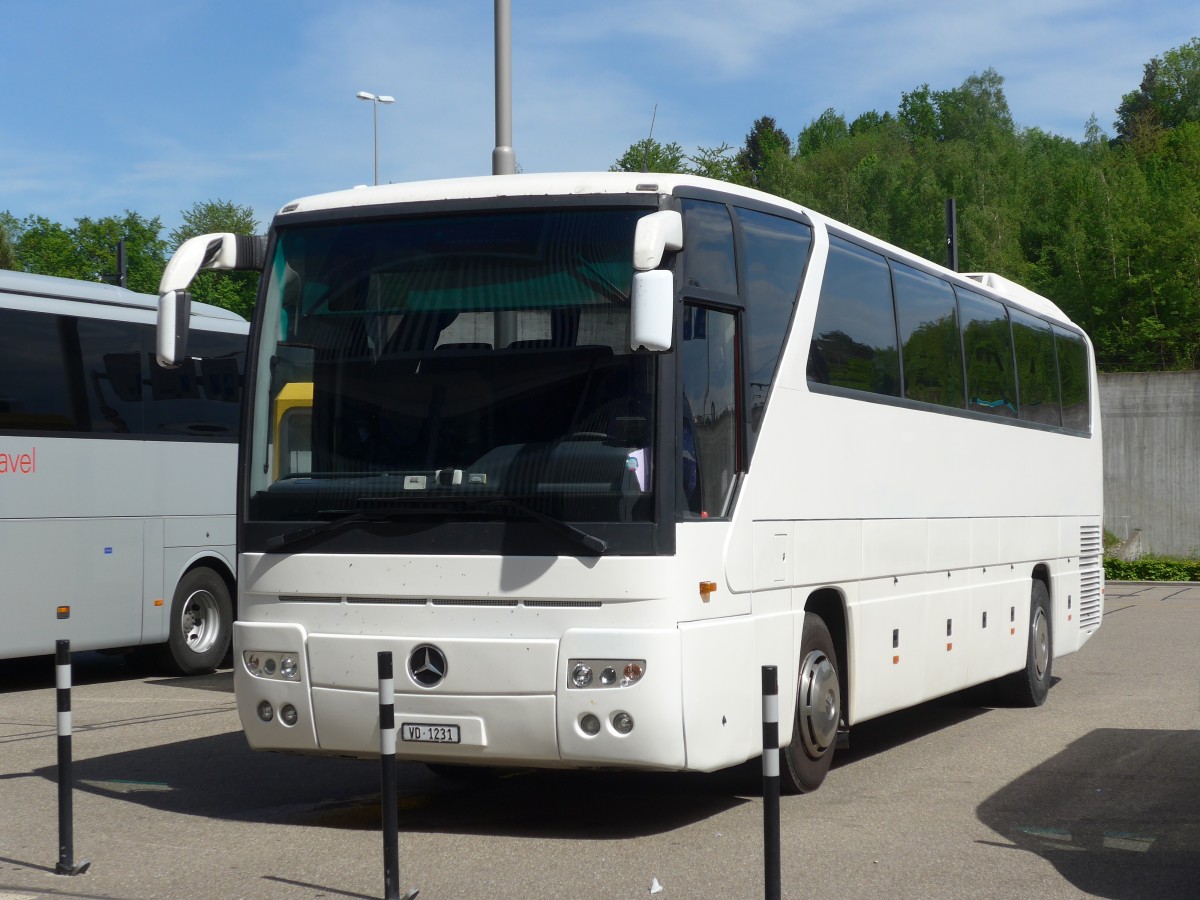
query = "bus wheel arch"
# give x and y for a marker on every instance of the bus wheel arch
(820, 695)
(200, 620)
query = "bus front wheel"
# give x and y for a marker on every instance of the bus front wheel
(201, 624)
(807, 758)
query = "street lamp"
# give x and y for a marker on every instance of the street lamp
(375, 101)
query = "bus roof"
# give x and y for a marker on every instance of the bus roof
(544, 185)
(28, 285)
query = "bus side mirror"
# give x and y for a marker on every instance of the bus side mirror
(652, 301)
(651, 310)
(223, 250)
(171, 334)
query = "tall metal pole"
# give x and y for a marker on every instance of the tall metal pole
(951, 235)
(504, 160)
(375, 123)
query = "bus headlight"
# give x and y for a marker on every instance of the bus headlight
(273, 665)
(612, 673)
(581, 675)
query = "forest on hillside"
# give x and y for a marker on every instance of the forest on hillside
(1107, 227)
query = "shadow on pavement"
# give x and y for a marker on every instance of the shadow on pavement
(1117, 813)
(220, 777)
(90, 667)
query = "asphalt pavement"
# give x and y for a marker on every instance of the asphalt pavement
(1092, 795)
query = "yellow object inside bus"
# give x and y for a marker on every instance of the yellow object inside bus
(293, 429)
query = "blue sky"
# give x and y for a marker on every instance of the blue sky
(153, 106)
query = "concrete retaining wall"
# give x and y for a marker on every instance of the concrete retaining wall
(1151, 423)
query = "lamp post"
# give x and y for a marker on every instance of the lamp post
(375, 101)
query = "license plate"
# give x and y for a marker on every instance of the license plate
(429, 734)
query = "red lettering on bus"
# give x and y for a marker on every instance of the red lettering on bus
(19, 463)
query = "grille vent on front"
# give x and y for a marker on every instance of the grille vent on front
(565, 604)
(488, 601)
(424, 601)
(1091, 577)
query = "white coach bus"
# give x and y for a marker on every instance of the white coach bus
(586, 451)
(116, 475)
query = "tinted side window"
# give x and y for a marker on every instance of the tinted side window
(1073, 375)
(708, 243)
(1037, 373)
(202, 397)
(929, 337)
(35, 391)
(854, 339)
(111, 353)
(776, 253)
(987, 347)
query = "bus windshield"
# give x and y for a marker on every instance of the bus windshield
(472, 365)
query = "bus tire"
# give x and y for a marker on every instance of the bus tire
(807, 757)
(201, 624)
(1030, 686)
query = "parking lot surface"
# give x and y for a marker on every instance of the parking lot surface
(1094, 794)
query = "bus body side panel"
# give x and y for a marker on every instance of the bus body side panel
(83, 548)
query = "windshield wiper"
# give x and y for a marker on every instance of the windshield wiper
(351, 518)
(558, 526)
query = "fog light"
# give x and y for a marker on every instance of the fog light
(590, 724)
(608, 676)
(265, 712)
(622, 722)
(268, 666)
(582, 676)
(288, 715)
(252, 662)
(287, 666)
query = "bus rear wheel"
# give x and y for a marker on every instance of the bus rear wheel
(201, 623)
(807, 757)
(1030, 686)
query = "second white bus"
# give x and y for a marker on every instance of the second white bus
(116, 475)
(585, 452)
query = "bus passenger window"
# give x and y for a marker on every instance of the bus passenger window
(1073, 376)
(987, 347)
(929, 340)
(1037, 374)
(854, 338)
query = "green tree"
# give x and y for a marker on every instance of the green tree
(8, 255)
(46, 248)
(714, 162)
(145, 252)
(764, 145)
(234, 291)
(1168, 96)
(650, 156)
(88, 251)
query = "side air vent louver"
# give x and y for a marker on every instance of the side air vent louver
(1091, 577)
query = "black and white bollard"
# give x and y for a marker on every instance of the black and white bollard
(770, 720)
(387, 762)
(66, 779)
